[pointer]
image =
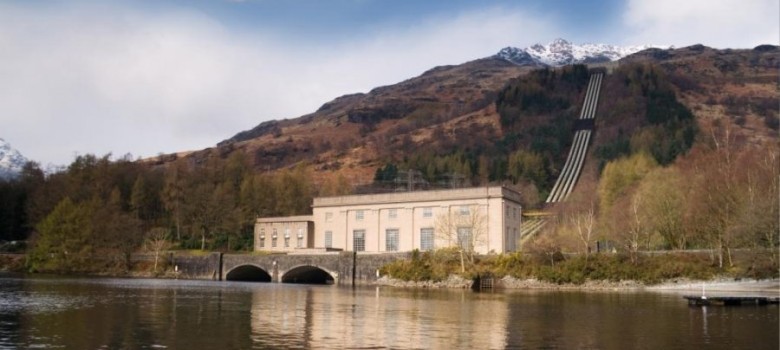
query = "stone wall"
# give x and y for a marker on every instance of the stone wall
(201, 267)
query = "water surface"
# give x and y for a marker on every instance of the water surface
(81, 313)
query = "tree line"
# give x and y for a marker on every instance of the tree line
(93, 214)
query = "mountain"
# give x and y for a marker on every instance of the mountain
(561, 52)
(11, 161)
(461, 112)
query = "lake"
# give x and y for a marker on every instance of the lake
(88, 313)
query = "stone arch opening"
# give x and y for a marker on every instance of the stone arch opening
(248, 273)
(308, 274)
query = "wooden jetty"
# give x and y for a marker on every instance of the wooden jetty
(730, 301)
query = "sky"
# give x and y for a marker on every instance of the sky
(146, 77)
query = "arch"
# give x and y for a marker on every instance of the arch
(307, 274)
(249, 273)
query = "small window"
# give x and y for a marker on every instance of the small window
(359, 215)
(359, 240)
(427, 212)
(464, 210)
(328, 239)
(391, 240)
(464, 239)
(287, 233)
(392, 213)
(274, 235)
(328, 217)
(426, 239)
(273, 242)
(287, 242)
(300, 242)
(300, 233)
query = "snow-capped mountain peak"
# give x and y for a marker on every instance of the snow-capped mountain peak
(560, 52)
(11, 161)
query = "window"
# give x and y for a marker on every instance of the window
(287, 233)
(328, 239)
(273, 242)
(427, 212)
(508, 211)
(359, 240)
(464, 238)
(287, 242)
(261, 238)
(426, 239)
(359, 215)
(300, 242)
(328, 217)
(463, 210)
(392, 213)
(391, 240)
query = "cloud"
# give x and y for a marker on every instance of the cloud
(91, 78)
(716, 23)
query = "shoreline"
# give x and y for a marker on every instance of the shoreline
(716, 286)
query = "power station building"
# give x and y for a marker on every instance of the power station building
(482, 219)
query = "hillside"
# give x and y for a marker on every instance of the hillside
(451, 110)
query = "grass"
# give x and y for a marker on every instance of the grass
(648, 269)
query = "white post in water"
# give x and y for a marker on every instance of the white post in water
(702, 292)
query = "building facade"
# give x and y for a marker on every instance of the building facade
(482, 219)
(284, 234)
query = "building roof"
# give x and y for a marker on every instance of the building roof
(420, 196)
(300, 218)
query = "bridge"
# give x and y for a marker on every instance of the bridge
(322, 267)
(572, 169)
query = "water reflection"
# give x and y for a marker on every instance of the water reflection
(328, 317)
(144, 314)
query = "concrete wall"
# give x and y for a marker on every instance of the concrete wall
(409, 213)
(216, 266)
(201, 267)
(296, 229)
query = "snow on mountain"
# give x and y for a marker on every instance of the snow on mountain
(11, 161)
(561, 52)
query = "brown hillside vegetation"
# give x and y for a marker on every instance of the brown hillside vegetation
(685, 156)
(446, 109)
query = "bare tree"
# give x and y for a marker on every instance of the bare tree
(157, 242)
(583, 223)
(464, 229)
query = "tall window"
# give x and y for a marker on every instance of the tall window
(426, 239)
(391, 240)
(287, 242)
(274, 239)
(427, 212)
(300, 238)
(359, 215)
(392, 213)
(261, 238)
(464, 238)
(328, 239)
(359, 240)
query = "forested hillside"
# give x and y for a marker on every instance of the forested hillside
(685, 155)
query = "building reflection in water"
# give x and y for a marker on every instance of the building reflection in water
(327, 317)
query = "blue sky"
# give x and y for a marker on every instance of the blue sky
(151, 76)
